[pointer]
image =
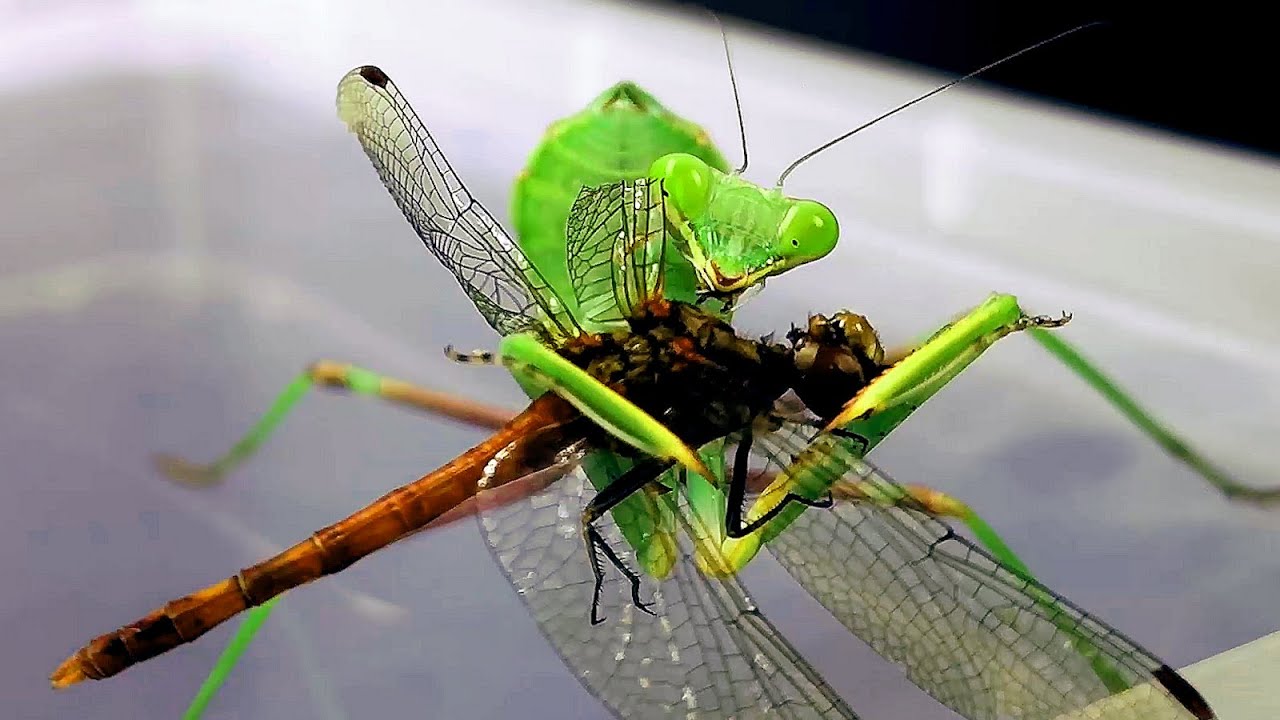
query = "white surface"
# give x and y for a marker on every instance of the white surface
(187, 224)
(1237, 684)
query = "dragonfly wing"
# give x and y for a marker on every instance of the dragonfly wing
(618, 238)
(706, 651)
(979, 638)
(495, 274)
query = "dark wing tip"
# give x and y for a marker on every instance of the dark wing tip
(1184, 693)
(374, 75)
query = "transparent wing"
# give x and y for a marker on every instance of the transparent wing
(706, 651)
(982, 640)
(495, 274)
(618, 236)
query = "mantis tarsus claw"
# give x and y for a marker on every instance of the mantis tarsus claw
(185, 472)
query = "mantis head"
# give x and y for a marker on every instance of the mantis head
(742, 233)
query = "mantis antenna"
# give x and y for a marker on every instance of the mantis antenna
(733, 81)
(782, 178)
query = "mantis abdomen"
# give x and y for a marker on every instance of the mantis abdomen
(617, 137)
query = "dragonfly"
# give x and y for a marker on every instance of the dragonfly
(630, 133)
(623, 134)
(985, 640)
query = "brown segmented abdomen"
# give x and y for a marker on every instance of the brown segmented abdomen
(387, 519)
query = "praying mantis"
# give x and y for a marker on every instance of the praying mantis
(718, 270)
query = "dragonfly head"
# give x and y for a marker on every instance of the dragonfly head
(845, 334)
(742, 233)
(835, 357)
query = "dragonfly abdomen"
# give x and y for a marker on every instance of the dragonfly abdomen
(332, 549)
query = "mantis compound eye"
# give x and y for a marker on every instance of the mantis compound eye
(808, 231)
(687, 180)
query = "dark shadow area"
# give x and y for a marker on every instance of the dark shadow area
(1201, 70)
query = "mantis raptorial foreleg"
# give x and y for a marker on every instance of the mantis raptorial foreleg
(538, 366)
(1170, 441)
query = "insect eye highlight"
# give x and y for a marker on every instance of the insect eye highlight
(810, 229)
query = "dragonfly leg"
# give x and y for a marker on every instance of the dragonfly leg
(475, 357)
(864, 446)
(590, 536)
(331, 375)
(607, 499)
(734, 527)
(596, 541)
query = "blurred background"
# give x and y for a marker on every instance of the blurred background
(1194, 69)
(187, 224)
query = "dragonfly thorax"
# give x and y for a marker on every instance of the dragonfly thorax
(687, 368)
(695, 374)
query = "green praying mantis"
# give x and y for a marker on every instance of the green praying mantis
(736, 235)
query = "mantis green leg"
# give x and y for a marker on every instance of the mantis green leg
(331, 375)
(1168, 440)
(326, 374)
(536, 365)
(1136, 414)
(942, 505)
(939, 505)
(880, 408)
(227, 660)
(645, 520)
